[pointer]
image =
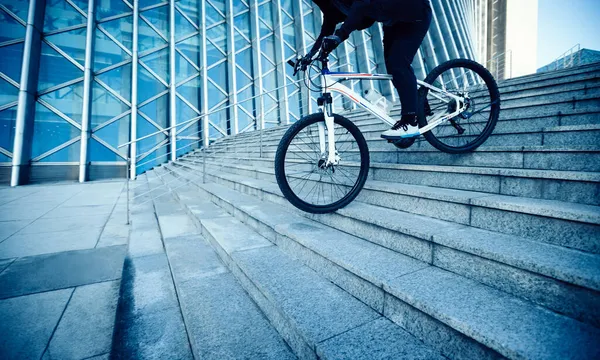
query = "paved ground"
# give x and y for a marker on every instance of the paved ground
(62, 248)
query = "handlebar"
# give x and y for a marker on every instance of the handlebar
(323, 57)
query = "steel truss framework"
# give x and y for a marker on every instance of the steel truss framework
(113, 71)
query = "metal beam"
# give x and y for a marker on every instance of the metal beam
(301, 50)
(284, 112)
(257, 65)
(203, 74)
(87, 92)
(27, 92)
(134, 92)
(172, 84)
(231, 76)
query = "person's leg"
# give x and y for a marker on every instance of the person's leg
(401, 43)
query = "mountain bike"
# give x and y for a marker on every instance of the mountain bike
(322, 161)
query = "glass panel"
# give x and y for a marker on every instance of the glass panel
(246, 94)
(184, 112)
(159, 63)
(185, 146)
(266, 65)
(72, 43)
(215, 95)
(155, 158)
(147, 37)
(7, 128)
(105, 106)
(55, 69)
(212, 54)
(191, 9)
(244, 60)
(264, 30)
(82, 4)
(240, 41)
(159, 17)
(219, 119)
(18, 7)
(148, 86)
(50, 130)
(12, 58)
(99, 152)
(267, 46)
(219, 5)
(118, 79)
(59, 14)
(10, 28)
(239, 6)
(182, 26)
(287, 6)
(145, 128)
(190, 91)
(146, 3)
(70, 154)
(242, 23)
(183, 69)
(285, 19)
(265, 11)
(8, 93)
(122, 30)
(190, 49)
(4, 158)
(219, 75)
(243, 120)
(157, 110)
(68, 100)
(106, 8)
(241, 79)
(217, 36)
(115, 134)
(289, 35)
(107, 53)
(212, 16)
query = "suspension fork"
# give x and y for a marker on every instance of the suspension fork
(325, 103)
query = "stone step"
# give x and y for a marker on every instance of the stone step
(376, 275)
(543, 115)
(571, 158)
(559, 223)
(551, 76)
(576, 135)
(489, 257)
(568, 186)
(315, 317)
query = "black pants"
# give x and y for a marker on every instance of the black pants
(400, 44)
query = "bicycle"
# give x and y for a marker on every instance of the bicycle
(326, 151)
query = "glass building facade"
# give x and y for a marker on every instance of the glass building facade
(88, 86)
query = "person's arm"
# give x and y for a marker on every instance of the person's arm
(355, 17)
(327, 29)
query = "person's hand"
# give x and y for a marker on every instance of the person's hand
(306, 61)
(330, 43)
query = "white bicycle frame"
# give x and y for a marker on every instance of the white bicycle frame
(331, 82)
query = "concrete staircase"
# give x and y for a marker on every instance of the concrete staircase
(484, 255)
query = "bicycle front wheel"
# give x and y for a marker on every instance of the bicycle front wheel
(302, 172)
(468, 130)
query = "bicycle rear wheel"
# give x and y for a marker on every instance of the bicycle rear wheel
(470, 129)
(301, 171)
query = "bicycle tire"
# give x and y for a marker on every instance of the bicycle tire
(492, 87)
(280, 172)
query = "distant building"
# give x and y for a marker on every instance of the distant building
(506, 36)
(575, 58)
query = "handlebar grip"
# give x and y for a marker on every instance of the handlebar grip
(291, 63)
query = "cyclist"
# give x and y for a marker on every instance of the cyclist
(405, 24)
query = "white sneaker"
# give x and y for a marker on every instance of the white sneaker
(401, 131)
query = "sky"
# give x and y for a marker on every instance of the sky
(565, 23)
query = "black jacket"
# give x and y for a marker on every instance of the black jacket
(361, 14)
